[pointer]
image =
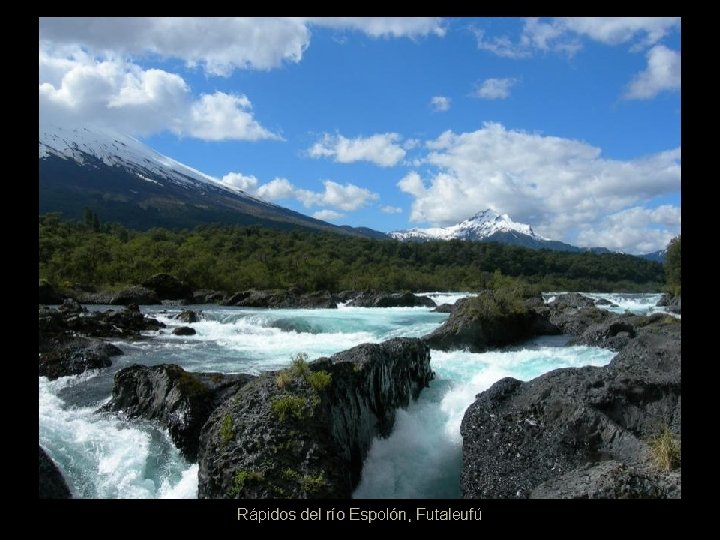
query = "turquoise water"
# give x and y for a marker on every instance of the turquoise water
(105, 457)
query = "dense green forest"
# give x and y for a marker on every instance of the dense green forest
(232, 258)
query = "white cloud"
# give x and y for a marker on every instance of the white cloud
(347, 197)
(220, 45)
(662, 73)
(380, 149)
(559, 186)
(240, 181)
(494, 88)
(76, 88)
(635, 230)
(391, 210)
(563, 34)
(440, 103)
(327, 215)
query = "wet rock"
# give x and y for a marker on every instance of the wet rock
(385, 300)
(76, 356)
(52, 485)
(184, 331)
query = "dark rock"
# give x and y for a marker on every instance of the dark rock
(76, 356)
(207, 296)
(47, 294)
(181, 302)
(71, 306)
(444, 308)
(135, 295)
(664, 300)
(91, 297)
(188, 316)
(168, 287)
(611, 480)
(179, 400)
(492, 319)
(282, 299)
(385, 300)
(572, 300)
(280, 437)
(518, 436)
(603, 302)
(674, 305)
(184, 331)
(52, 485)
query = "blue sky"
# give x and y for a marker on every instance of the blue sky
(570, 125)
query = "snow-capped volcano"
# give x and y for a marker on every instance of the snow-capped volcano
(480, 227)
(125, 181)
(489, 226)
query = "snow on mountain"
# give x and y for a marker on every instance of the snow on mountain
(115, 149)
(480, 227)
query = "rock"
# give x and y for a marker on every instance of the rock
(184, 331)
(71, 306)
(188, 316)
(571, 300)
(664, 300)
(47, 293)
(492, 319)
(75, 357)
(518, 436)
(168, 287)
(304, 432)
(603, 302)
(282, 299)
(207, 296)
(385, 300)
(90, 297)
(52, 485)
(611, 480)
(444, 308)
(674, 305)
(135, 295)
(181, 401)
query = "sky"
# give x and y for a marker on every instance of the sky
(571, 125)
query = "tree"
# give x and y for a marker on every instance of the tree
(672, 266)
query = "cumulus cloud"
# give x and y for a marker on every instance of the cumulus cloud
(636, 230)
(391, 210)
(347, 197)
(220, 45)
(662, 74)
(440, 103)
(76, 88)
(494, 88)
(557, 185)
(381, 149)
(327, 215)
(563, 34)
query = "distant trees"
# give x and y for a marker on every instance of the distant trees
(672, 266)
(232, 258)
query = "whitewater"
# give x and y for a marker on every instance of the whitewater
(103, 456)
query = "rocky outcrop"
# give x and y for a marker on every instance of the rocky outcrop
(181, 401)
(168, 287)
(134, 295)
(674, 305)
(207, 296)
(444, 308)
(385, 300)
(282, 299)
(52, 485)
(492, 319)
(545, 436)
(304, 432)
(127, 323)
(47, 294)
(188, 316)
(76, 356)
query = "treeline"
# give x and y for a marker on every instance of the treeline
(231, 258)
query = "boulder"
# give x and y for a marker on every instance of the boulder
(528, 438)
(385, 300)
(184, 331)
(76, 356)
(168, 287)
(70, 305)
(207, 296)
(492, 319)
(128, 323)
(188, 316)
(181, 401)
(134, 295)
(304, 432)
(52, 485)
(47, 293)
(444, 308)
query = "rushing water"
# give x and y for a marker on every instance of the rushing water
(104, 457)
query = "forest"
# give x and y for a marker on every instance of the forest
(88, 253)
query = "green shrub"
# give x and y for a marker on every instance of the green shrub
(283, 379)
(312, 484)
(319, 380)
(664, 450)
(286, 406)
(227, 433)
(299, 367)
(243, 477)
